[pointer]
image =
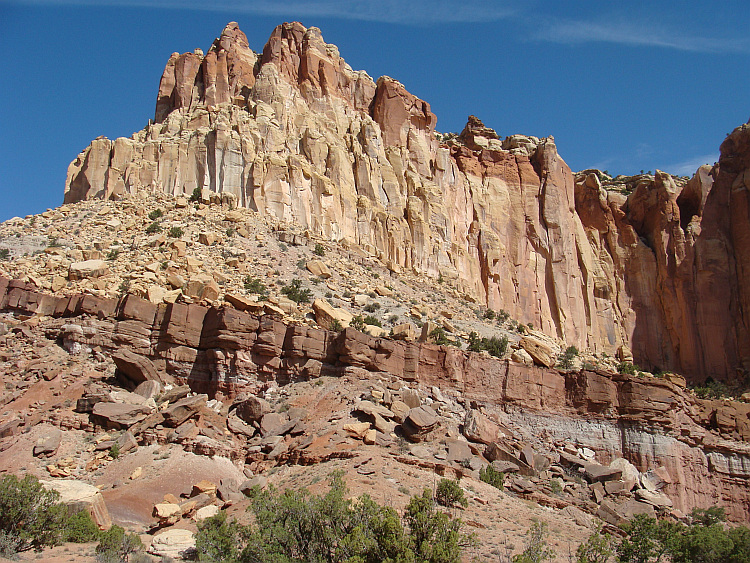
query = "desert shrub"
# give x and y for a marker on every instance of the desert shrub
(393, 319)
(296, 526)
(30, 516)
(113, 254)
(357, 322)
(537, 549)
(295, 292)
(370, 320)
(372, 307)
(4, 253)
(489, 314)
(336, 326)
(492, 476)
(154, 227)
(449, 493)
(565, 359)
(155, 214)
(439, 336)
(80, 528)
(254, 285)
(598, 548)
(114, 451)
(176, 232)
(494, 345)
(117, 546)
(627, 368)
(319, 249)
(712, 390)
(197, 195)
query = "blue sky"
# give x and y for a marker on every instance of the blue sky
(622, 87)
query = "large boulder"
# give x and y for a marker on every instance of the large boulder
(119, 415)
(77, 496)
(326, 315)
(175, 543)
(87, 269)
(135, 367)
(540, 351)
(251, 408)
(182, 410)
(479, 428)
(419, 423)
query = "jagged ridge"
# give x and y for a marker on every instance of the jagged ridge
(297, 135)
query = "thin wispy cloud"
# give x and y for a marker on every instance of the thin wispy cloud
(689, 166)
(636, 34)
(412, 12)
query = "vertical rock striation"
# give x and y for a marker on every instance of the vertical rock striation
(296, 134)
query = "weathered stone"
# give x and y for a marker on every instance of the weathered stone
(77, 496)
(326, 315)
(419, 422)
(479, 428)
(87, 269)
(540, 351)
(48, 444)
(119, 415)
(179, 412)
(135, 367)
(174, 543)
(251, 408)
(319, 269)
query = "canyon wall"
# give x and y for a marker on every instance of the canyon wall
(705, 445)
(296, 134)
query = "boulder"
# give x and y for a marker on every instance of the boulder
(77, 495)
(630, 474)
(521, 356)
(175, 543)
(540, 351)
(257, 481)
(251, 408)
(119, 415)
(182, 410)
(399, 409)
(136, 367)
(47, 445)
(479, 428)
(87, 269)
(206, 512)
(148, 389)
(326, 315)
(419, 422)
(655, 498)
(357, 429)
(319, 269)
(404, 331)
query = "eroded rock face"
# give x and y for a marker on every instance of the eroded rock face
(297, 135)
(703, 446)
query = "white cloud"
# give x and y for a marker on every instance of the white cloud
(408, 12)
(637, 35)
(689, 166)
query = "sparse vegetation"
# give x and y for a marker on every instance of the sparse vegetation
(358, 323)
(537, 550)
(297, 526)
(30, 516)
(449, 493)
(492, 476)
(627, 368)
(295, 292)
(117, 546)
(374, 321)
(113, 254)
(254, 285)
(598, 548)
(114, 451)
(197, 195)
(566, 358)
(494, 345)
(155, 214)
(372, 307)
(319, 249)
(154, 227)
(336, 326)
(4, 253)
(176, 232)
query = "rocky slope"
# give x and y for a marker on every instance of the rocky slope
(295, 134)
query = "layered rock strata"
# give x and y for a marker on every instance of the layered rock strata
(296, 134)
(705, 445)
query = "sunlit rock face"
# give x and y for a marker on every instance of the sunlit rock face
(296, 134)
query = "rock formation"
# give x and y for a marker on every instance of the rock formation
(296, 134)
(703, 445)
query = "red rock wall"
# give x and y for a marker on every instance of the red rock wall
(705, 445)
(306, 139)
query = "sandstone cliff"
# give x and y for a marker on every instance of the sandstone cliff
(704, 445)
(294, 133)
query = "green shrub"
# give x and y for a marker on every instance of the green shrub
(116, 546)
(626, 368)
(30, 516)
(297, 526)
(492, 476)
(254, 285)
(494, 345)
(565, 359)
(598, 548)
(372, 307)
(449, 493)
(114, 451)
(176, 232)
(537, 549)
(358, 323)
(336, 326)
(197, 195)
(370, 320)
(4, 253)
(113, 254)
(154, 227)
(319, 249)
(489, 314)
(439, 336)
(301, 264)
(80, 528)
(155, 214)
(295, 292)
(124, 287)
